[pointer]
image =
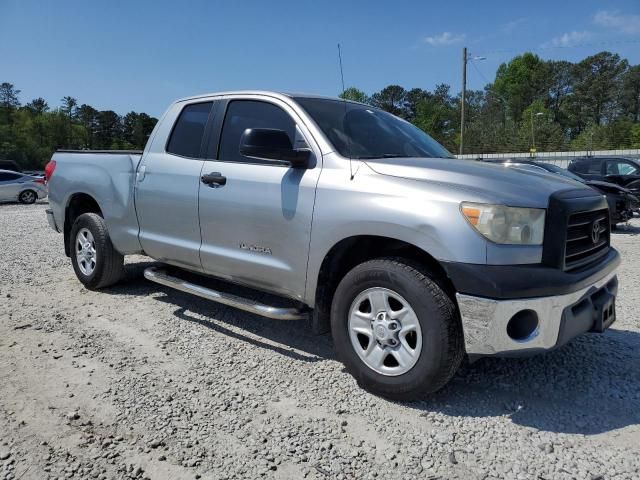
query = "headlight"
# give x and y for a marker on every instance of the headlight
(507, 225)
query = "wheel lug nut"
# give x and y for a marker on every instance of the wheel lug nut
(393, 326)
(392, 341)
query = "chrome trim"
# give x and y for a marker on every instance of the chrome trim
(484, 320)
(160, 276)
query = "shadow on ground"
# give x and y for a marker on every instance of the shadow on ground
(626, 229)
(590, 386)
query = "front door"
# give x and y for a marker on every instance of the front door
(257, 226)
(167, 188)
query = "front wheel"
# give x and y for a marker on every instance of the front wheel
(395, 329)
(96, 263)
(27, 197)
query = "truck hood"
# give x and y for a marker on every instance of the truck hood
(480, 181)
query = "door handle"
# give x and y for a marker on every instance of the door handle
(141, 173)
(213, 179)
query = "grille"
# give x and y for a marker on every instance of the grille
(587, 238)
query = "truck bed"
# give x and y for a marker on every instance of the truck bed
(108, 176)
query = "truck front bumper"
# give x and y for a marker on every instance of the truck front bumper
(518, 326)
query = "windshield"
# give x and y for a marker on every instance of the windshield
(359, 131)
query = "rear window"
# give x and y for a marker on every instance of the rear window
(186, 138)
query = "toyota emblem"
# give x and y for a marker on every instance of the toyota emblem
(595, 231)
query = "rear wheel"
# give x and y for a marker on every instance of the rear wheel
(395, 329)
(28, 197)
(96, 263)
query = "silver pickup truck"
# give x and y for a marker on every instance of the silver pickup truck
(364, 224)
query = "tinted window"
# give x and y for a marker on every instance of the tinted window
(186, 138)
(360, 131)
(243, 114)
(618, 167)
(9, 176)
(594, 166)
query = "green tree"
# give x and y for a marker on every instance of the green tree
(436, 114)
(521, 81)
(352, 93)
(38, 106)
(538, 129)
(560, 88)
(391, 99)
(69, 105)
(412, 99)
(630, 94)
(597, 82)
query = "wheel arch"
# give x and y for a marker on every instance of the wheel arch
(77, 204)
(356, 249)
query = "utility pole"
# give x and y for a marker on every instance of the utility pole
(462, 100)
(533, 136)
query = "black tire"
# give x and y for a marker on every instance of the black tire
(442, 339)
(28, 197)
(109, 265)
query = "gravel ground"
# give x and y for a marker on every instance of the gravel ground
(139, 381)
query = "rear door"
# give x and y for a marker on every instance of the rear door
(256, 227)
(167, 186)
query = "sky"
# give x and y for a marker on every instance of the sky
(141, 55)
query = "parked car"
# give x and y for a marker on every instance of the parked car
(359, 220)
(622, 203)
(618, 170)
(22, 188)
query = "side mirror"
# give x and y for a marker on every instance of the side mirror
(273, 144)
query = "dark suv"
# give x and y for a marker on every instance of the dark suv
(622, 171)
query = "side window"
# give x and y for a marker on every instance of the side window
(595, 166)
(186, 137)
(612, 167)
(625, 168)
(243, 114)
(4, 177)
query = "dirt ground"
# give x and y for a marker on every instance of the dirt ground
(139, 381)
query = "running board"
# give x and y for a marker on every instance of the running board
(158, 275)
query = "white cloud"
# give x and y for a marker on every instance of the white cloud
(445, 38)
(568, 39)
(625, 23)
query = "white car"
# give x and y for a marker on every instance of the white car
(19, 187)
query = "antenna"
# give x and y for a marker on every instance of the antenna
(345, 109)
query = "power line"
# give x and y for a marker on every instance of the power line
(554, 47)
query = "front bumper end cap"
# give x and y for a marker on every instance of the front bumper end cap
(560, 318)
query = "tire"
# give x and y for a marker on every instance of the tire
(28, 197)
(437, 348)
(102, 267)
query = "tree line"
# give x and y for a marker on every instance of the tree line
(30, 133)
(548, 105)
